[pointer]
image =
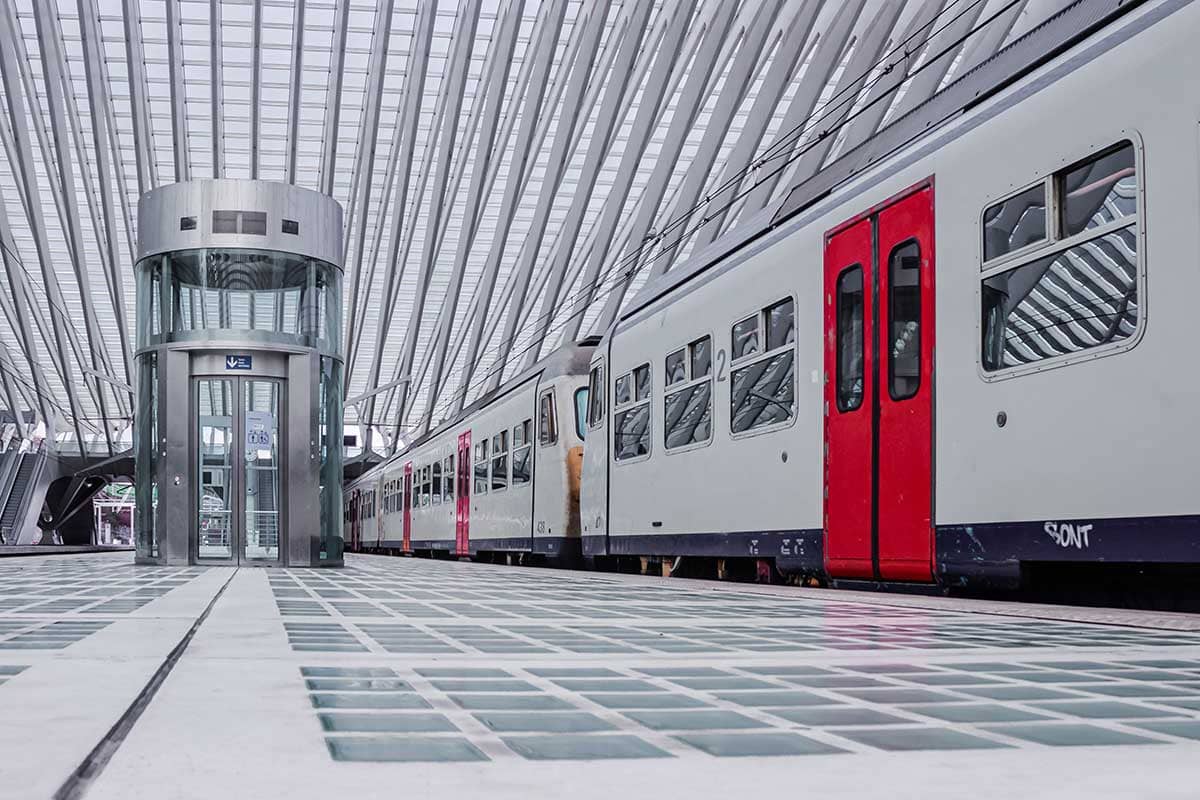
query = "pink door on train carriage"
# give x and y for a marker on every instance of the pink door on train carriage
(406, 491)
(462, 509)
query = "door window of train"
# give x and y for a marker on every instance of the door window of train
(687, 406)
(522, 447)
(631, 421)
(437, 483)
(596, 396)
(547, 421)
(581, 405)
(500, 461)
(448, 479)
(481, 467)
(850, 345)
(763, 387)
(904, 320)
(1079, 290)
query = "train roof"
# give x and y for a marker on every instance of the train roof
(1037, 47)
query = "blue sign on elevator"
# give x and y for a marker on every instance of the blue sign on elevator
(238, 362)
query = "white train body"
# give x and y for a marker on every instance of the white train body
(503, 477)
(1015, 405)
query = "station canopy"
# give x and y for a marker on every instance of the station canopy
(511, 171)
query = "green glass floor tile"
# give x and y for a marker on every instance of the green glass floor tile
(462, 672)
(757, 744)
(1017, 693)
(731, 682)
(402, 748)
(368, 700)
(824, 716)
(646, 700)
(967, 712)
(357, 685)
(694, 720)
(904, 739)
(1102, 709)
(1066, 734)
(386, 723)
(543, 722)
(776, 698)
(511, 702)
(482, 685)
(583, 748)
(1185, 729)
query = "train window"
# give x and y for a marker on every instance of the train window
(481, 468)
(426, 484)
(522, 449)
(687, 415)
(781, 324)
(581, 403)
(676, 368)
(437, 483)
(763, 391)
(631, 423)
(624, 389)
(500, 461)
(850, 352)
(701, 352)
(1083, 297)
(745, 338)
(448, 479)
(641, 379)
(547, 420)
(416, 489)
(1080, 290)
(687, 411)
(596, 396)
(1014, 223)
(904, 320)
(1100, 191)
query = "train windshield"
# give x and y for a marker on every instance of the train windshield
(581, 406)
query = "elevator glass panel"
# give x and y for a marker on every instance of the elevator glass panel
(215, 501)
(261, 509)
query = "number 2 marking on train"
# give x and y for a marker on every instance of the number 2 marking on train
(720, 366)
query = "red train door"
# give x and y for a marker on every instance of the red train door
(462, 509)
(406, 500)
(879, 337)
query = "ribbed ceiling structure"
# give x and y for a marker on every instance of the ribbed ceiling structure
(511, 170)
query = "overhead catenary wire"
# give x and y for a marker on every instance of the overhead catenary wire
(632, 261)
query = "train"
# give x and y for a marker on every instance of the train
(932, 364)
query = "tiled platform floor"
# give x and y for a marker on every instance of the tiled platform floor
(405, 677)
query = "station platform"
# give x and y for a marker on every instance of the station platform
(397, 677)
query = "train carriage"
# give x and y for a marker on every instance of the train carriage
(503, 477)
(935, 360)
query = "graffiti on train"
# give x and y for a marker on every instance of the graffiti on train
(1069, 534)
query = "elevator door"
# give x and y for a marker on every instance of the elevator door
(238, 470)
